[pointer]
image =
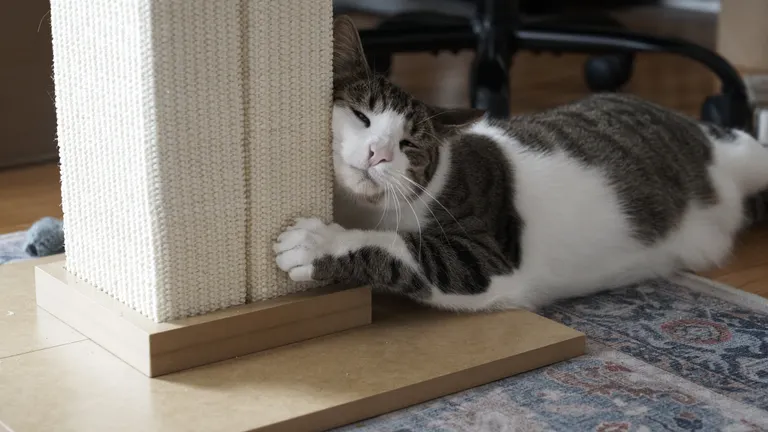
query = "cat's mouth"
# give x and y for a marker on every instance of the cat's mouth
(365, 175)
(365, 186)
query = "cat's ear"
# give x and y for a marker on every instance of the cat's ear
(450, 120)
(348, 56)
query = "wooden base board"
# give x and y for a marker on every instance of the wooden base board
(160, 348)
(408, 355)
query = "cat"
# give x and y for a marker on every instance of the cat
(461, 212)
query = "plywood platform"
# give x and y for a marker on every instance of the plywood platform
(406, 356)
(160, 348)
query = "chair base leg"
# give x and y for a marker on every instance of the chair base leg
(728, 109)
(489, 78)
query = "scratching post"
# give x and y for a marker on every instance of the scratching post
(150, 106)
(191, 132)
(289, 47)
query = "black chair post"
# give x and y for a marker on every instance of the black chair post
(494, 22)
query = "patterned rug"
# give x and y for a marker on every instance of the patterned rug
(667, 355)
(681, 355)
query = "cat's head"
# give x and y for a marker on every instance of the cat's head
(384, 140)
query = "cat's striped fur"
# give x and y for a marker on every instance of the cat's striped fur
(466, 213)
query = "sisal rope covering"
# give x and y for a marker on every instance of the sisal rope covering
(191, 132)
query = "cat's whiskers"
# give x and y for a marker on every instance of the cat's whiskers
(381, 178)
(426, 205)
(386, 208)
(433, 136)
(423, 189)
(428, 119)
(415, 215)
(397, 212)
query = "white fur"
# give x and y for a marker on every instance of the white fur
(310, 239)
(576, 240)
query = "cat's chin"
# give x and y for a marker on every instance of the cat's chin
(360, 187)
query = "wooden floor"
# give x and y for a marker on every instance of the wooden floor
(538, 82)
(748, 268)
(27, 194)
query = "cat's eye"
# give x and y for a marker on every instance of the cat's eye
(406, 143)
(366, 121)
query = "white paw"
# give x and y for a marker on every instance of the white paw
(301, 244)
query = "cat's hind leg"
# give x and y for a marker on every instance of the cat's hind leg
(705, 236)
(742, 158)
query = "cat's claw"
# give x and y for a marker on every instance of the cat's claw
(301, 244)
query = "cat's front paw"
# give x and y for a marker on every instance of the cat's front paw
(300, 245)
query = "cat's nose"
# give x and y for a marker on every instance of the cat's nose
(377, 156)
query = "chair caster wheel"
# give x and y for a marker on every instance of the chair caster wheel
(609, 72)
(727, 110)
(714, 110)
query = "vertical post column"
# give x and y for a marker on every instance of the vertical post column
(149, 100)
(289, 97)
(191, 133)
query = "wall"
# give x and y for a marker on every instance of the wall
(742, 35)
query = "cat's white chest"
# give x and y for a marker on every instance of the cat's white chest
(394, 216)
(406, 221)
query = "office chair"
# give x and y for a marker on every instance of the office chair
(496, 30)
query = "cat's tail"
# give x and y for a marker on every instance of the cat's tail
(745, 159)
